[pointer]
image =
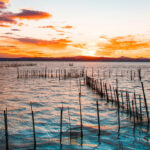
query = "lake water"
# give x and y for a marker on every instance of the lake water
(49, 94)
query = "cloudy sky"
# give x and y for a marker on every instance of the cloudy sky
(56, 28)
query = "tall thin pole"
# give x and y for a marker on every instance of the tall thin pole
(98, 117)
(6, 128)
(146, 107)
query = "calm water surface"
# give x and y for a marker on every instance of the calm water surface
(47, 96)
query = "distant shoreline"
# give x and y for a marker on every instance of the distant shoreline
(65, 61)
(79, 59)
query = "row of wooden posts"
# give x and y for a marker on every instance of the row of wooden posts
(46, 73)
(130, 74)
(121, 98)
(74, 73)
(17, 65)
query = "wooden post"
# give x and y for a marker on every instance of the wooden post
(140, 107)
(69, 124)
(81, 125)
(133, 112)
(145, 101)
(122, 100)
(118, 109)
(6, 129)
(98, 118)
(61, 118)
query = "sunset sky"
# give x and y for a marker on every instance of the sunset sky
(58, 28)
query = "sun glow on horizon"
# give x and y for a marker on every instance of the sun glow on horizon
(89, 53)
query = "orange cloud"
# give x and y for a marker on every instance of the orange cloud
(17, 49)
(59, 31)
(54, 27)
(8, 50)
(61, 34)
(5, 1)
(20, 24)
(79, 45)
(53, 44)
(29, 47)
(51, 27)
(17, 52)
(67, 27)
(31, 15)
(104, 53)
(103, 37)
(4, 25)
(123, 45)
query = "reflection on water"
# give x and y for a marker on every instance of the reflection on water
(48, 95)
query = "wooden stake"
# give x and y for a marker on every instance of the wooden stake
(6, 129)
(145, 101)
(81, 116)
(69, 124)
(61, 118)
(98, 118)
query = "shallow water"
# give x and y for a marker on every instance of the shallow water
(47, 97)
